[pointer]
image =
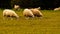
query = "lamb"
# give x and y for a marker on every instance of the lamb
(57, 9)
(28, 13)
(36, 12)
(16, 7)
(9, 13)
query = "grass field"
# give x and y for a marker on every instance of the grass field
(49, 24)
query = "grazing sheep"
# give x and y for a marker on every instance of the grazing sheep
(36, 12)
(9, 13)
(57, 9)
(28, 13)
(16, 7)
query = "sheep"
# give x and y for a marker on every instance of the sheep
(9, 13)
(36, 12)
(16, 7)
(27, 13)
(57, 9)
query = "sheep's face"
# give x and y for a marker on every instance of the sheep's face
(28, 13)
(16, 6)
(36, 12)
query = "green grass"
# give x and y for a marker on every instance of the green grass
(49, 24)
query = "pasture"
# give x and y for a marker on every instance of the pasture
(49, 24)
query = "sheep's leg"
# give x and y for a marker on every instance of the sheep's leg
(4, 16)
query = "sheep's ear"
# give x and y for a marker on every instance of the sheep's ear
(38, 8)
(59, 7)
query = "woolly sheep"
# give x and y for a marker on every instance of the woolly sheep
(28, 13)
(57, 9)
(36, 12)
(9, 13)
(16, 7)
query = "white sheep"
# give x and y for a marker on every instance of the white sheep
(36, 12)
(57, 9)
(16, 7)
(28, 13)
(9, 13)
